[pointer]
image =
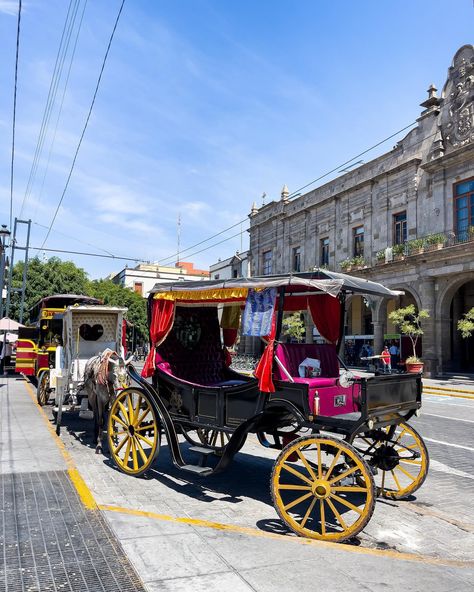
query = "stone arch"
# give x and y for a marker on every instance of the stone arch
(455, 353)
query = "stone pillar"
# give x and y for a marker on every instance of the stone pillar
(428, 301)
(378, 336)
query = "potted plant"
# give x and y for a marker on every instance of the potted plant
(398, 251)
(293, 327)
(380, 256)
(408, 320)
(435, 241)
(357, 262)
(346, 264)
(416, 246)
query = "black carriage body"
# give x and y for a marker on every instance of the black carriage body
(200, 391)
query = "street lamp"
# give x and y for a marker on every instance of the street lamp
(4, 234)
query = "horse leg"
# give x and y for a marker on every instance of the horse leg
(99, 429)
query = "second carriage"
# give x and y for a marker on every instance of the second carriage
(357, 442)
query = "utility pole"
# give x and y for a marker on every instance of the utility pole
(179, 237)
(4, 234)
(15, 247)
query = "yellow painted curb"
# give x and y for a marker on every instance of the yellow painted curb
(80, 486)
(436, 393)
(254, 532)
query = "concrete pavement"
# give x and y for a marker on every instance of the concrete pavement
(222, 533)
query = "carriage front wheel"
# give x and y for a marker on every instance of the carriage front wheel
(399, 456)
(133, 431)
(322, 488)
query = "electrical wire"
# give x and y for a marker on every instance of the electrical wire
(77, 239)
(293, 194)
(14, 111)
(86, 254)
(85, 125)
(53, 88)
(71, 60)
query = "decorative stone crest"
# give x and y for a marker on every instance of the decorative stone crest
(457, 116)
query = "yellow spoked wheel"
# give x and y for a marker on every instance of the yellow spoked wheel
(316, 488)
(133, 431)
(400, 457)
(43, 390)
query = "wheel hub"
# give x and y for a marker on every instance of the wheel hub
(321, 489)
(386, 458)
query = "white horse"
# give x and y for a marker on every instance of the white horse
(104, 374)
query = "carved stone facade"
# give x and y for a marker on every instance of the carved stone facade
(422, 188)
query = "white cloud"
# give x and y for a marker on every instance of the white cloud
(9, 7)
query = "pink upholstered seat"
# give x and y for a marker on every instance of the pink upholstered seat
(333, 399)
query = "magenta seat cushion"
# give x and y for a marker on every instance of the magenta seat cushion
(317, 382)
(292, 354)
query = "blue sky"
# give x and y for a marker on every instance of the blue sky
(203, 106)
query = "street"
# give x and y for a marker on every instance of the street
(179, 530)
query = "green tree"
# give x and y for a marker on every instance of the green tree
(293, 326)
(408, 320)
(466, 324)
(115, 295)
(44, 279)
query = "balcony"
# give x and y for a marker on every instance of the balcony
(417, 246)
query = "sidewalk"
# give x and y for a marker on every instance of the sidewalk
(54, 541)
(50, 541)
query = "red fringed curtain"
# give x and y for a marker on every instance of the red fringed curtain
(326, 314)
(230, 337)
(161, 322)
(264, 369)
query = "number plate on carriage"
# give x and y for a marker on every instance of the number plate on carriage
(339, 400)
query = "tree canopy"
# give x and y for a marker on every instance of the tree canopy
(63, 277)
(408, 320)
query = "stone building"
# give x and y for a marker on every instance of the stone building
(405, 219)
(232, 267)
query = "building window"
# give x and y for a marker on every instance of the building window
(400, 228)
(358, 240)
(296, 259)
(138, 288)
(267, 263)
(216, 276)
(464, 208)
(235, 273)
(324, 251)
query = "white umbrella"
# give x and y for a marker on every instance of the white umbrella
(11, 337)
(7, 324)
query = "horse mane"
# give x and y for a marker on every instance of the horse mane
(104, 365)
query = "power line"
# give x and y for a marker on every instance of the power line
(77, 239)
(53, 88)
(71, 60)
(86, 254)
(293, 194)
(85, 125)
(14, 110)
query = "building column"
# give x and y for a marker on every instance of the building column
(378, 336)
(428, 301)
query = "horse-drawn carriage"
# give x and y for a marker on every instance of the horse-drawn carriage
(89, 332)
(322, 483)
(37, 342)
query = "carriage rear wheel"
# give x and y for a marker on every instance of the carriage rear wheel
(400, 457)
(316, 490)
(43, 389)
(133, 431)
(208, 437)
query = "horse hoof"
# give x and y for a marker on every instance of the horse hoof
(98, 450)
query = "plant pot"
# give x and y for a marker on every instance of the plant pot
(414, 367)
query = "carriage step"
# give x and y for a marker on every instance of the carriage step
(202, 450)
(202, 471)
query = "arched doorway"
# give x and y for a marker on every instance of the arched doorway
(462, 349)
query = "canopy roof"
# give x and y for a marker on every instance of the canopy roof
(299, 283)
(7, 324)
